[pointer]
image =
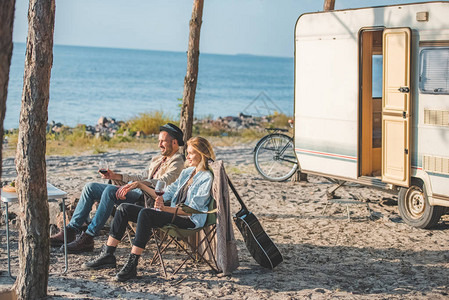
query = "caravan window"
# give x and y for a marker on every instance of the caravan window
(377, 76)
(434, 71)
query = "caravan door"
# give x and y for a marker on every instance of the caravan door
(396, 106)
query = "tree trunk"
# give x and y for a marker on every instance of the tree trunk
(329, 5)
(6, 25)
(34, 250)
(190, 81)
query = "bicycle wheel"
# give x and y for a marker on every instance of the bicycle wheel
(274, 157)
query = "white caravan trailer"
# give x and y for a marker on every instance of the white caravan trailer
(372, 101)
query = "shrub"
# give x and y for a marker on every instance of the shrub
(278, 120)
(252, 134)
(148, 123)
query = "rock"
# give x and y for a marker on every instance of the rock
(101, 121)
(109, 127)
(243, 116)
(57, 129)
(233, 124)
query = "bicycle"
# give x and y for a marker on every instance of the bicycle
(274, 155)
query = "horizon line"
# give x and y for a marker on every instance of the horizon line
(158, 50)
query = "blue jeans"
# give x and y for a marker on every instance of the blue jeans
(105, 193)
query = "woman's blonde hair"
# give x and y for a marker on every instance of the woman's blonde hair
(204, 148)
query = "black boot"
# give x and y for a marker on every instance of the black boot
(106, 259)
(130, 269)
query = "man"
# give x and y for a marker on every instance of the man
(167, 166)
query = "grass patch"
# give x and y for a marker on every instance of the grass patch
(233, 170)
(75, 141)
(278, 120)
(67, 144)
(147, 123)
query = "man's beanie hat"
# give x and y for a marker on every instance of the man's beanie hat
(174, 132)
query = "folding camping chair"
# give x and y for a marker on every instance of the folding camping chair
(171, 233)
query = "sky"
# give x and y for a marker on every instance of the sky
(257, 27)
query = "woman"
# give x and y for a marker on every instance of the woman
(191, 188)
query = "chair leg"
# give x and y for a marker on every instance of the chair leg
(161, 250)
(185, 250)
(208, 246)
(159, 253)
(196, 253)
(161, 242)
(129, 237)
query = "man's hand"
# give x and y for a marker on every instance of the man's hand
(110, 175)
(123, 190)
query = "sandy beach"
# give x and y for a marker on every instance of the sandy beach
(372, 255)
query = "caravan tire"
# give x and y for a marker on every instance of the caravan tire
(414, 206)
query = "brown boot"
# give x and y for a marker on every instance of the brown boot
(57, 240)
(83, 243)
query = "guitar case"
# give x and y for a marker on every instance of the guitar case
(259, 244)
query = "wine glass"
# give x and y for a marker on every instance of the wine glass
(159, 189)
(103, 166)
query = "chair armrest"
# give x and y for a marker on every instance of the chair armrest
(189, 210)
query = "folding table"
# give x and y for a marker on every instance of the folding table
(52, 193)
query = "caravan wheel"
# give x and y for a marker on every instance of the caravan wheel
(415, 209)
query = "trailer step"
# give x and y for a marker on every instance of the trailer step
(372, 181)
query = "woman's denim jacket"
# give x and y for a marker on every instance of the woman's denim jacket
(198, 195)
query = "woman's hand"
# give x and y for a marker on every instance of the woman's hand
(123, 190)
(159, 203)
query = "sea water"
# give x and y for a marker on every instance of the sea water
(88, 82)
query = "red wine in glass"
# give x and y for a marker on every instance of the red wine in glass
(103, 166)
(159, 189)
